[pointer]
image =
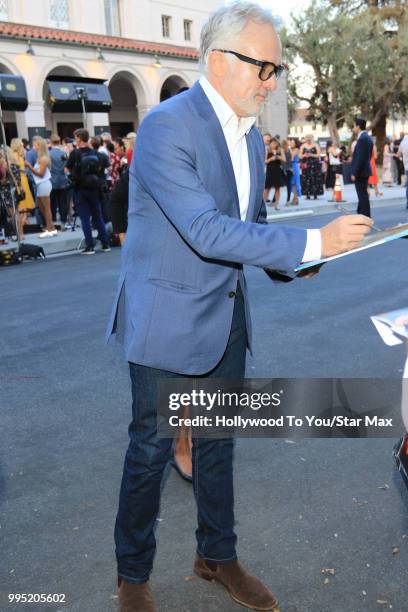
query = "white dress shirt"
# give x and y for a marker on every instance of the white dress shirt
(404, 402)
(235, 129)
(403, 149)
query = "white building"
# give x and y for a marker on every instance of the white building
(145, 49)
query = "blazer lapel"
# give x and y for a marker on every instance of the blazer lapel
(215, 133)
(253, 176)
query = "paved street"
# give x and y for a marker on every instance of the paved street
(300, 507)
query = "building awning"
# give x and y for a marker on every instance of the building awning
(18, 31)
(13, 92)
(67, 94)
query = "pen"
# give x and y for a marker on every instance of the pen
(349, 212)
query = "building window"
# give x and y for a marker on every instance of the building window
(112, 18)
(4, 10)
(59, 14)
(166, 24)
(187, 29)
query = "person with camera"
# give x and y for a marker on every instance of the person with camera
(86, 168)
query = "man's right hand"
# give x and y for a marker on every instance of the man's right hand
(344, 234)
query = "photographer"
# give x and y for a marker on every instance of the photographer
(86, 167)
(59, 180)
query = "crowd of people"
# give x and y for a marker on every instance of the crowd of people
(59, 181)
(49, 180)
(305, 169)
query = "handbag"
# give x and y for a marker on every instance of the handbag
(20, 193)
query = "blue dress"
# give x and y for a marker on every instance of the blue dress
(296, 175)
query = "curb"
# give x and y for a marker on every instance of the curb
(327, 209)
(287, 215)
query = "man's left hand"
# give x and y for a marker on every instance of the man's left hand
(309, 272)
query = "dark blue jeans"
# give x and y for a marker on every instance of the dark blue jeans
(147, 457)
(88, 205)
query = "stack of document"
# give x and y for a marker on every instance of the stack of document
(370, 241)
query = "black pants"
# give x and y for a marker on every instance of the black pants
(59, 201)
(363, 207)
(401, 171)
(288, 183)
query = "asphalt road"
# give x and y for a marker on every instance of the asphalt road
(301, 506)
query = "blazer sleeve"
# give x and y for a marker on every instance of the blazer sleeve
(355, 161)
(164, 166)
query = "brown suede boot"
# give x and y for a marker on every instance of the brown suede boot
(135, 597)
(243, 588)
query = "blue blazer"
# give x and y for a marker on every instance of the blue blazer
(360, 163)
(186, 244)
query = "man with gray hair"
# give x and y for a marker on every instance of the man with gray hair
(196, 216)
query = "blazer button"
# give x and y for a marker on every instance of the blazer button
(231, 294)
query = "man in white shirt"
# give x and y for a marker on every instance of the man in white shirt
(403, 153)
(196, 216)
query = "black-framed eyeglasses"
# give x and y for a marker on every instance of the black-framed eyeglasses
(267, 69)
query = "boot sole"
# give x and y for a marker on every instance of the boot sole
(212, 578)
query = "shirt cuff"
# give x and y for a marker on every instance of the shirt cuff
(313, 250)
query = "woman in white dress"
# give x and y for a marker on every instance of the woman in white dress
(42, 178)
(387, 164)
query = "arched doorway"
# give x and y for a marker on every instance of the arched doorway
(172, 86)
(63, 124)
(125, 90)
(9, 117)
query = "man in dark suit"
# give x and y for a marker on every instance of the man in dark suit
(398, 161)
(360, 165)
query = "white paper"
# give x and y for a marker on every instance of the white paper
(386, 333)
(392, 326)
(372, 240)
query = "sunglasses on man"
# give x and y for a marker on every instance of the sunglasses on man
(267, 69)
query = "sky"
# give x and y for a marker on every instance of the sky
(284, 7)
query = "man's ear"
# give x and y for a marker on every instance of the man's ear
(217, 63)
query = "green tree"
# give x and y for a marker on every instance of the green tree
(382, 75)
(351, 58)
(317, 47)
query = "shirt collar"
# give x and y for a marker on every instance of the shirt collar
(224, 112)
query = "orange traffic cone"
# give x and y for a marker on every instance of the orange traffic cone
(338, 197)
